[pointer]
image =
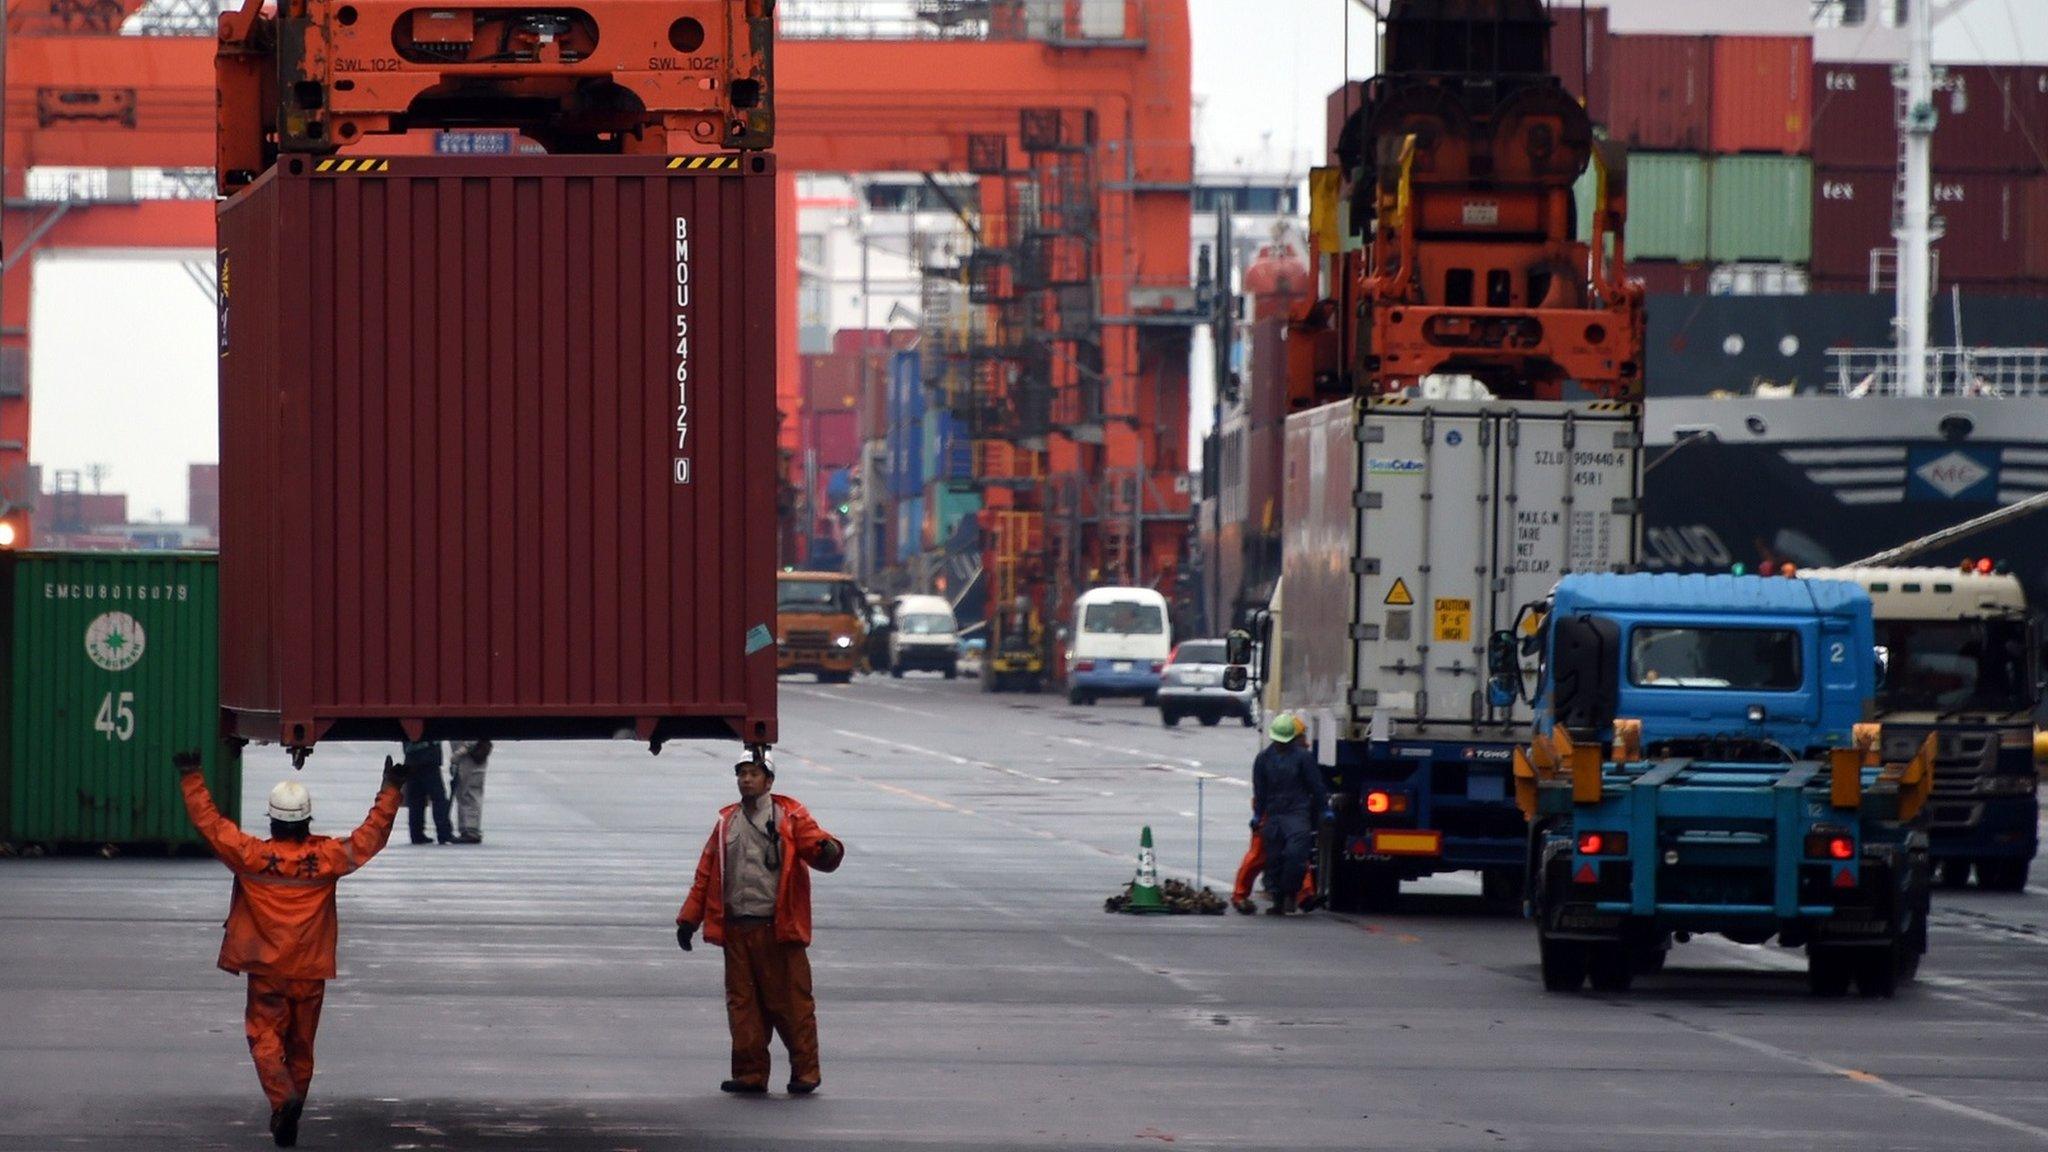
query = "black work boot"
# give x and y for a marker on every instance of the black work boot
(284, 1123)
(802, 1087)
(741, 1087)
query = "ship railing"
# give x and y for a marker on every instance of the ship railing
(2011, 372)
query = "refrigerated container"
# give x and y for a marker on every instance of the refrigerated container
(498, 449)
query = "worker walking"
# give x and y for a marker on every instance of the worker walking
(466, 763)
(752, 896)
(1288, 796)
(281, 923)
(423, 786)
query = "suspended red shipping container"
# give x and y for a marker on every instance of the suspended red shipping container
(835, 437)
(498, 449)
(1662, 98)
(1763, 95)
(1581, 55)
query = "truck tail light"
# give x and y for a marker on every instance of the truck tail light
(1380, 803)
(1603, 843)
(1084, 665)
(1829, 844)
(1157, 667)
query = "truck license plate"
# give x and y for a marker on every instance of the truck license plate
(1122, 666)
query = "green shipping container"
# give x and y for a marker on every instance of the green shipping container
(109, 664)
(1667, 207)
(947, 505)
(1762, 209)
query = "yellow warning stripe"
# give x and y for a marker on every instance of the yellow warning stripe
(352, 165)
(703, 163)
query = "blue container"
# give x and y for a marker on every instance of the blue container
(948, 453)
(909, 527)
(906, 425)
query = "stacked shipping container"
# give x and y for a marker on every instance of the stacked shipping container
(1990, 178)
(1745, 151)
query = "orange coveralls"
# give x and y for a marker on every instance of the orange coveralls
(281, 927)
(767, 967)
(1254, 862)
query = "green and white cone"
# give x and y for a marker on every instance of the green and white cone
(1145, 887)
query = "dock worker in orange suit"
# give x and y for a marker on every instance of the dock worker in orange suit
(281, 923)
(1254, 861)
(752, 896)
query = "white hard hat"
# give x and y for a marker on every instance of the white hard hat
(290, 802)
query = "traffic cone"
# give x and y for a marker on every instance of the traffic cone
(1145, 887)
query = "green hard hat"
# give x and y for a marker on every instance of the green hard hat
(1283, 729)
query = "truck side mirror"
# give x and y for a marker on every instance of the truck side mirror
(1236, 677)
(1503, 670)
(1237, 647)
(1585, 674)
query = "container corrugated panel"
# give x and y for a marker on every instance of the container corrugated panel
(498, 449)
(1667, 207)
(109, 668)
(1580, 56)
(1984, 220)
(2034, 258)
(1991, 119)
(1763, 94)
(1852, 215)
(909, 527)
(1762, 209)
(946, 505)
(948, 453)
(906, 425)
(1663, 92)
(835, 437)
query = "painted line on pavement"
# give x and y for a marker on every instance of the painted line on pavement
(1858, 1076)
(892, 789)
(963, 761)
(864, 703)
(1954, 989)
(1154, 759)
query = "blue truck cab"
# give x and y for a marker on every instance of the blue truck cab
(1703, 763)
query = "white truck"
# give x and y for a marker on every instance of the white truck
(1415, 532)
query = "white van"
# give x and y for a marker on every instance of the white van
(1119, 644)
(924, 635)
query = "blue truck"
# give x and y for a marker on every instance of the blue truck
(1701, 763)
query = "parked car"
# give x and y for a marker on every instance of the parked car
(1192, 685)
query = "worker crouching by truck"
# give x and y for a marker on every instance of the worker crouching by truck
(752, 896)
(281, 923)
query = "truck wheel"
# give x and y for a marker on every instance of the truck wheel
(1649, 958)
(1611, 967)
(896, 671)
(835, 677)
(1250, 720)
(1827, 971)
(1356, 887)
(1079, 698)
(952, 671)
(1564, 963)
(1169, 717)
(2003, 875)
(1955, 873)
(1211, 719)
(1877, 971)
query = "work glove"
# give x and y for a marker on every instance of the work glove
(683, 934)
(830, 853)
(187, 762)
(394, 774)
